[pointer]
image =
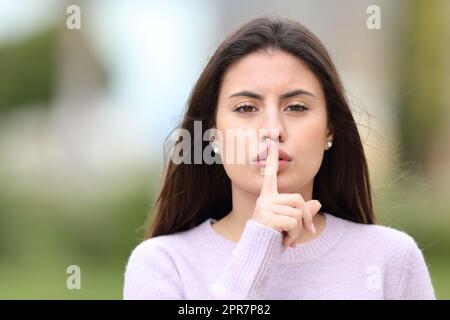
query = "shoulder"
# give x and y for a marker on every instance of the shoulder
(155, 267)
(406, 274)
(168, 246)
(378, 237)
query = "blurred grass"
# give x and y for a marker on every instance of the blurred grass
(45, 278)
(43, 231)
(439, 267)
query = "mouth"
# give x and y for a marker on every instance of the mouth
(283, 156)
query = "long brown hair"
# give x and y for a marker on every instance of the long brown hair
(193, 192)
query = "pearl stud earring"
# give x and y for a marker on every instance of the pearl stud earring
(329, 144)
(215, 148)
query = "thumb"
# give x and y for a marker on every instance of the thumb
(314, 206)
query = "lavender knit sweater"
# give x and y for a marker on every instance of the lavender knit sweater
(346, 261)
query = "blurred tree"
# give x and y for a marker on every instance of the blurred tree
(27, 73)
(423, 78)
(53, 63)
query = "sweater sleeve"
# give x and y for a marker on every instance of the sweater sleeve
(151, 274)
(415, 281)
(245, 274)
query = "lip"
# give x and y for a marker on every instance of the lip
(282, 156)
(281, 163)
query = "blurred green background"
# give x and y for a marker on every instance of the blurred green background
(83, 116)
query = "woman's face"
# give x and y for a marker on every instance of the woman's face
(299, 122)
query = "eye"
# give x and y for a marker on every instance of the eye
(297, 108)
(246, 108)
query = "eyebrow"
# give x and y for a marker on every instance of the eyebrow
(291, 94)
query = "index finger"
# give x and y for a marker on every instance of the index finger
(269, 185)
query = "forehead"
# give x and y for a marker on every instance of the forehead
(266, 72)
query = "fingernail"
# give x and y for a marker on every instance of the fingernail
(312, 228)
(319, 204)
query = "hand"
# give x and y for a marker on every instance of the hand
(283, 212)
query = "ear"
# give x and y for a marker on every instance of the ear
(330, 135)
(213, 136)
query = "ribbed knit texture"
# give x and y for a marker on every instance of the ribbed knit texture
(346, 261)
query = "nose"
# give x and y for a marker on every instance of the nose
(272, 128)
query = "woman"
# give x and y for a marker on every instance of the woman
(295, 219)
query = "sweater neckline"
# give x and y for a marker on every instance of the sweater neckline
(319, 246)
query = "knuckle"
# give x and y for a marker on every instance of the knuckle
(297, 213)
(278, 226)
(299, 198)
(293, 223)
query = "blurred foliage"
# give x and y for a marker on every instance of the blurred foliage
(43, 231)
(411, 207)
(423, 78)
(31, 67)
(27, 74)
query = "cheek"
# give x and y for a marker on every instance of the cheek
(239, 141)
(309, 137)
(307, 141)
(237, 151)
